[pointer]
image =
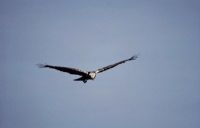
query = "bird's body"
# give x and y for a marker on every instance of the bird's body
(85, 75)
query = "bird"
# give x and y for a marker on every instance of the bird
(85, 75)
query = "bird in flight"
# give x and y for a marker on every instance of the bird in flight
(85, 75)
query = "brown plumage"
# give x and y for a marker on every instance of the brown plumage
(85, 75)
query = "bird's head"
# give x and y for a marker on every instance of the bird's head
(92, 75)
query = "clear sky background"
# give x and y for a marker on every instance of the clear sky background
(161, 89)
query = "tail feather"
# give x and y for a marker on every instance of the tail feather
(81, 79)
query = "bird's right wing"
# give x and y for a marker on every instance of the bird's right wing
(115, 64)
(69, 70)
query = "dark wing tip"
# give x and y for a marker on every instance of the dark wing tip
(41, 65)
(134, 57)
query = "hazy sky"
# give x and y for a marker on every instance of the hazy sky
(161, 89)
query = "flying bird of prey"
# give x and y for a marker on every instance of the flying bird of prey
(85, 75)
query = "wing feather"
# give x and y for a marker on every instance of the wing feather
(69, 70)
(115, 64)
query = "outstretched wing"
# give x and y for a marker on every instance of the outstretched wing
(113, 65)
(69, 70)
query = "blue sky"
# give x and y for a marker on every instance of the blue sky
(158, 90)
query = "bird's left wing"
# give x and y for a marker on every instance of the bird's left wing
(69, 70)
(113, 65)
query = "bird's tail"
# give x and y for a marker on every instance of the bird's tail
(81, 79)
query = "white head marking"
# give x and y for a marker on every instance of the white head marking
(92, 75)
